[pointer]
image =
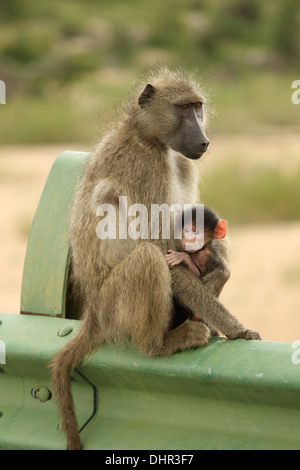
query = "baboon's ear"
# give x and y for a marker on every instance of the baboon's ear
(221, 229)
(146, 95)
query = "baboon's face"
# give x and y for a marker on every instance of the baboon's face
(189, 138)
(175, 119)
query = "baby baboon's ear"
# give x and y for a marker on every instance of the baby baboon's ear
(221, 229)
(146, 96)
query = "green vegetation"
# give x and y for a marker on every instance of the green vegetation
(253, 193)
(64, 62)
(291, 275)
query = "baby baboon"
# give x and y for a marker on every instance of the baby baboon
(197, 242)
(125, 283)
(199, 255)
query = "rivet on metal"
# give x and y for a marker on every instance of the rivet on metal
(43, 394)
(65, 331)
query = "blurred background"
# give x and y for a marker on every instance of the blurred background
(67, 64)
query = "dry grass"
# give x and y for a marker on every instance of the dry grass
(263, 291)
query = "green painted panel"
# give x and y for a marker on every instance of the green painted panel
(229, 395)
(46, 262)
(26, 422)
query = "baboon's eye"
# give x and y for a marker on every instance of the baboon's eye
(198, 105)
(184, 106)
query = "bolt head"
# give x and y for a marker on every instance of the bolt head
(65, 331)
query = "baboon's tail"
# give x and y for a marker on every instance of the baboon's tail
(87, 339)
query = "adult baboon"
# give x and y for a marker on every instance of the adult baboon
(126, 286)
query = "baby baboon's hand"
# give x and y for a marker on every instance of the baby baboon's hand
(174, 258)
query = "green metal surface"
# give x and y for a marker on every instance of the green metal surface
(228, 395)
(46, 263)
(27, 422)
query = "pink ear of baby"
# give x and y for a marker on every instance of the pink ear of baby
(221, 229)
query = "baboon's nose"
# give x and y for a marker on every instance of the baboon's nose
(205, 145)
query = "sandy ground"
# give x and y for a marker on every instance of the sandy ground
(264, 289)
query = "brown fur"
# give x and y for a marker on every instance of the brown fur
(126, 285)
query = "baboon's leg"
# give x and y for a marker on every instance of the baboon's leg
(137, 302)
(179, 314)
(189, 334)
(194, 295)
(182, 313)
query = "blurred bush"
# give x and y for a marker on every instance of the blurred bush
(253, 193)
(65, 62)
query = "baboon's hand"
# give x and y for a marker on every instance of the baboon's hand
(245, 334)
(250, 334)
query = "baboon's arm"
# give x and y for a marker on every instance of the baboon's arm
(194, 294)
(217, 278)
(217, 272)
